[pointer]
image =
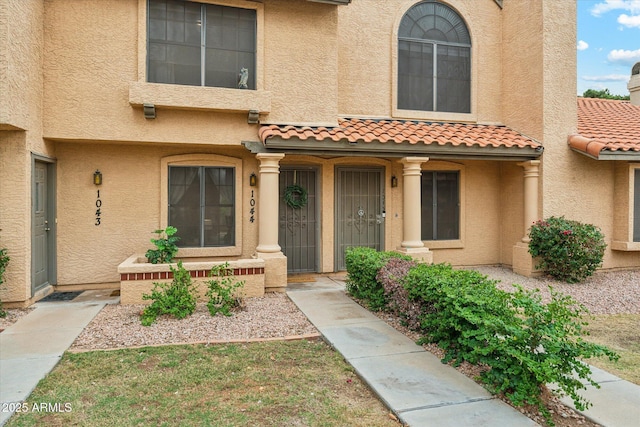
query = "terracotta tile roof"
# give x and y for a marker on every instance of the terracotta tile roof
(404, 132)
(606, 127)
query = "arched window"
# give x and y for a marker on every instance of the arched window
(434, 60)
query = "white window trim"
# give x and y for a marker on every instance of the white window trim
(203, 160)
(442, 166)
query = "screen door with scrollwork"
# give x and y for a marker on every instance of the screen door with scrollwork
(359, 210)
(298, 226)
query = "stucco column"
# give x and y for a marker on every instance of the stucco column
(522, 262)
(268, 203)
(268, 249)
(412, 218)
(531, 177)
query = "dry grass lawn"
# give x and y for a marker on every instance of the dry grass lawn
(620, 332)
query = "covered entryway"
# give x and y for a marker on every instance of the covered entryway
(43, 238)
(359, 210)
(298, 225)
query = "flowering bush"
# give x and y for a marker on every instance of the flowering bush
(568, 250)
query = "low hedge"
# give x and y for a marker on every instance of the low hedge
(524, 343)
(363, 265)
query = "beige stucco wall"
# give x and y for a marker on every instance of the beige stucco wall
(368, 58)
(21, 41)
(299, 63)
(130, 211)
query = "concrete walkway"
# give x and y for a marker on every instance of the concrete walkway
(31, 348)
(416, 386)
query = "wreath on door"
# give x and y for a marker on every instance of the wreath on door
(295, 196)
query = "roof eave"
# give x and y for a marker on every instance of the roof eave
(598, 151)
(392, 149)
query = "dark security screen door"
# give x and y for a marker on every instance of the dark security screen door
(298, 228)
(359, 208)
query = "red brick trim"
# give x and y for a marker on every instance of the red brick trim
(163, 275)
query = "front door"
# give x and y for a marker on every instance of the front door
(41, 227)
(359, 210)
(298, 225)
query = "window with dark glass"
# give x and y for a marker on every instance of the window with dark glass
(636, 206)
(440, 205)
(434, 60)
(201, 44)
(202, 205)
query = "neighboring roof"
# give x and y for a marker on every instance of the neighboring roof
(400, 138)
(607, 129)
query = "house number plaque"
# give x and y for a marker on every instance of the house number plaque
(98, 211)
(252, 210)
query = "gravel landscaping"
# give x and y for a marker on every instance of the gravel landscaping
(271, 316)
(610, 292)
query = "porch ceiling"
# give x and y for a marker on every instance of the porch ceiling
(607, 130)
(398, 138)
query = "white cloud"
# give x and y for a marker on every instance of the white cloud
(607, 78)
(628, 57)
(583, 45)
(629, 21)
(632, 6)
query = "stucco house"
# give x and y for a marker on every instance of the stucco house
(276, 133)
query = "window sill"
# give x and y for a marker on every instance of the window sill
(434, 116)
(209, 252)
(444, 244)
(625, 246)
(199, 98)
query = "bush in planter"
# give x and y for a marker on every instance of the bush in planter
(222, 290)
(166, 247)
(177, 298)
(568, 250)
(362, 267)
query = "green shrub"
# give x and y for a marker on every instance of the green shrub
(469, 311)
(4, 260)
(166, 247)
(524, 343)
(177, 298)
(222, 290)
(569, 250)
(545, 346)
(362, 268)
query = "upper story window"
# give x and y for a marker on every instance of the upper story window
(201, 44)
(434, 60)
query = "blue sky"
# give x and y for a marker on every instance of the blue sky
(608, 44)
